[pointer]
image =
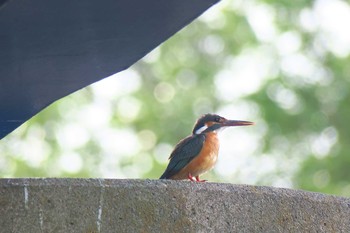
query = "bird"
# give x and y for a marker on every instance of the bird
(198, 153)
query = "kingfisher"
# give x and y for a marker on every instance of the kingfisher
(198, 153)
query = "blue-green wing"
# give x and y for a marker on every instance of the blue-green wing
(184, 152)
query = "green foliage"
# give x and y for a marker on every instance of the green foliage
(273, 62)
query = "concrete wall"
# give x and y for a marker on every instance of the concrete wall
(98, 205)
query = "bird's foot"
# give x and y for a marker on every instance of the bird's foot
(196, 178)
(199, 180)
(190, 177)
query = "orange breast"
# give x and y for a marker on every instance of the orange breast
(204, 161)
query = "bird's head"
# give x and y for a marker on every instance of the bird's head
(213, 123)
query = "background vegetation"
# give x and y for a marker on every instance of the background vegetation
(282, 64)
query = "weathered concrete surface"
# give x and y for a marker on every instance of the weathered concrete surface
(97, 205)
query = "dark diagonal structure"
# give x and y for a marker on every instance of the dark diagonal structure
(49, 49)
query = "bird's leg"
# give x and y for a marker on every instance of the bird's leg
(198, 180)
(190, 177)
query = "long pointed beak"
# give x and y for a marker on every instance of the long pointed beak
(236, 123)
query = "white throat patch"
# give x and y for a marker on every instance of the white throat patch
(201, 129)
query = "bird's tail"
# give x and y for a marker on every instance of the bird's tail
(164, 176)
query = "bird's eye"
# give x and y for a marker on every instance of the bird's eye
(217, 119)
